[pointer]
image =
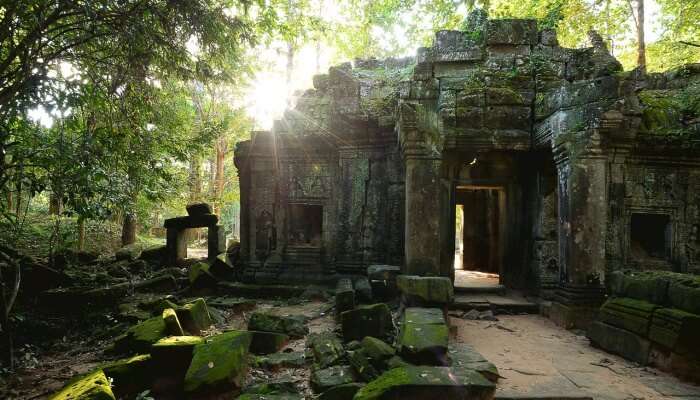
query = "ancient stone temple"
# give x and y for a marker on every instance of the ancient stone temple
(563, 167)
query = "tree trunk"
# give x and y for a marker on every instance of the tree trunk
(9, 200)
(7, 356)
(55, 204)
(195, 179)
(641, 43)
(81, 234)
(129, 228)
(290, 69)
(221, 147)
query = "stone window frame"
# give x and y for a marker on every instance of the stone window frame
(324, 221)
(665, 263)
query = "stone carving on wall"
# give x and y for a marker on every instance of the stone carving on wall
(308, 180)
(265, 234)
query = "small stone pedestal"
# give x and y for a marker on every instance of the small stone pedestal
(176, 246)
(576, 307)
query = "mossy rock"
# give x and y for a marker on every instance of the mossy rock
(373, 320)
(200, 276)
(140, 337)
(424, 336)
(426, 290)
(341, 392)
(130, 375)
(326, 348)
(130, 252)
(378, 352)
(277, 361)
(194, 316)
(292, 325)
(630, 314)
(363, 365)
(418, 383)
(172, 324)
(326, 378)
(275, 389)
(267, 342)
(676, 330)
(220, 362)
(464, 357)
(93, 386)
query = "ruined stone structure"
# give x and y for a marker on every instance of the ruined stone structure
(570, 168)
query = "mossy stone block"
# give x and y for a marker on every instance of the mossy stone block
(372, 320)
(464, 357)
(363, 365)
(619, 341)
(220, 362)
(341, 392)
(292, 325)
(194, 317)
(377, 349)
(421, 382)
(267, 342)
(130, 375)
(630, 314)
(326, 378)
(93, 386)
(424, 336)
(676, 330)
(425, 290)
(344, 296)
(200, 276)
(326, 347)
(277, 361)
(140, 337)
(172, 324)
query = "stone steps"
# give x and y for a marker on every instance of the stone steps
(481, 289)
(499, 304)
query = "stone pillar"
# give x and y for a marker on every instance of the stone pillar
(216, 241)
(583, 221)
(176, 246)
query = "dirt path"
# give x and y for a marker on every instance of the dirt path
(535, 357)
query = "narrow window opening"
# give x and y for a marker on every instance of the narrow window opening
(305, 227)
(650, 236)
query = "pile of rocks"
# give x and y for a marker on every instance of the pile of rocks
(653, 319)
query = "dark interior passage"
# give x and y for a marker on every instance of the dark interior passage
(305, 224)
(479, 229)
(649, 235)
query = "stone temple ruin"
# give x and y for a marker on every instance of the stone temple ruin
(569, 170)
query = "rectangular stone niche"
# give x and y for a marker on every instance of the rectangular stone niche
(305, 225)
(650, 236)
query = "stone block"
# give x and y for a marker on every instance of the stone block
(200, 276)
(194, 316)
(503, 96)
(363, 290)
(172, 324)
(292, 325)
(327, 378)
(220, 363)
(426, 289)
(326, 348)
(372, 320)
(421, 382)
(684, 293)
(507, 117)
(344, 295)
(130, 252)
(92, 386)
(619, 341)
(676, 330)
(377, 350)
(277, 361)
(362, 365)
(321, 82)
(383, 272)
(424, 336)
(140, 337)
(464, 357)
(630, 314)
(341, 392)
(191, 221)
(172, 355)
(511, 31)
(267, 342)
(195, 209)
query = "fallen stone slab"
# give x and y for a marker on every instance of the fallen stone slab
(172, 324)
(267, 342)
(199, 275)
(326, 378)
(171, 356)
(341, 392)
(619, 341)
(464, 357)
(380, 272)
(424, 336)
(676, 330)
(378, 351)
(422, 382)
(629, 314)
(277, 361)
(363, 291)
(326, 348)
(220, 363)
(131, 375)
(344, 295)
(292, 325)
(198, 209)
(425, 290)
(362, 365)
(140, 337)
(130, 252)
(222, 267)
(280, 389)
(372, 320)
(194, 316)
(92, 386)
(257, 291)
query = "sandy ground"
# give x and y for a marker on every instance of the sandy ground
(536, 358)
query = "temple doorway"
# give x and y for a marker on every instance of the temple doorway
(479, 215)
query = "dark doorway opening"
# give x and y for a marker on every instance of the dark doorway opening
(305, 225)
(650, 236)
(478, 235)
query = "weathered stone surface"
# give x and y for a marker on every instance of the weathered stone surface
(200, 276)
(464, 357)
(222, 267)
(140, 337)
(93, 386)
(172, 324)
(632, 315)
(344, 295)
(171, 356)
(426, 289)
(154, 254)
(619, 341)
(378, 351)
(326, 378)
(278, 389)
(383, 272)
(676, 330)
(424, 336)
(511, 31)
(130, 252)
(420, 383)
(194, 316)
(195, 209)
(130, 375)
(326, 348)
(267, 342)
(341, 392)
(292, 325)
(219, 363)
(373, 320)
(362, 364)
(363, 290)
(277, 361)
(684, 293)
(192, 221)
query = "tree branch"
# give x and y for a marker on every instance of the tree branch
(689, 43)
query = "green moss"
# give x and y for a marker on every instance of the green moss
(194, 316)
(172, 323)
(93, 386)
(377, 349)
(221, 360)
(178, 341)
(130, 375)
(140, 337)
(666, 112)
(388, 380)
